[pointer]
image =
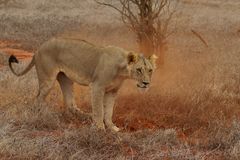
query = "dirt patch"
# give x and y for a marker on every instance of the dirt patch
(14, 48)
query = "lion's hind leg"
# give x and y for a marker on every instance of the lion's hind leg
(45, 85)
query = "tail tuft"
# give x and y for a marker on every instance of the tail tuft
(12, 59)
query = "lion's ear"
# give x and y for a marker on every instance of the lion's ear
(153, 58)
(132, 57)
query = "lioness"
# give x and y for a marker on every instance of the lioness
(102, 68)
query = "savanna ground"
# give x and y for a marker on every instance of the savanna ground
(191, 112)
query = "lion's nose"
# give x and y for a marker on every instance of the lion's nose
(145, 83)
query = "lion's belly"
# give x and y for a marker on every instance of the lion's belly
(77, 76)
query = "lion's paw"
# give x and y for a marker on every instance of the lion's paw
(99, 126)
(115, 129)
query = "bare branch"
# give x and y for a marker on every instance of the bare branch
(109, 5)
(159, 8)
(149, 19)
(127, 9)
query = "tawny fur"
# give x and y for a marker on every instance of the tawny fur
(102, 68)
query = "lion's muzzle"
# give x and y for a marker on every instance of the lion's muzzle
(143, 85)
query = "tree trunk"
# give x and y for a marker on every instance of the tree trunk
(161, 50)
(146, 28)
(148, 47)
(161, 56)
(145, 45)
(148, 43)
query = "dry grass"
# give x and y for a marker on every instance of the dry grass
(27, 133)
(191, 111)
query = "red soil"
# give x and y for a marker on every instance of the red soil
(14, 48)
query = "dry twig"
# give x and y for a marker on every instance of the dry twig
(200, 37)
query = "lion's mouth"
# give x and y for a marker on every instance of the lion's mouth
(142, 86)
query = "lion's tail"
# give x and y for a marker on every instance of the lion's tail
(13, 59)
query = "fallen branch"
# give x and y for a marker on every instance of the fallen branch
(200, 37)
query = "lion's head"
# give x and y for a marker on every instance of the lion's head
(141, 69)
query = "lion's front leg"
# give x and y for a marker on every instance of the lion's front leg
(109, 100)
(97, 105)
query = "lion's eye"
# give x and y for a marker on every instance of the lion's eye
(139, 70)
(150, 70)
